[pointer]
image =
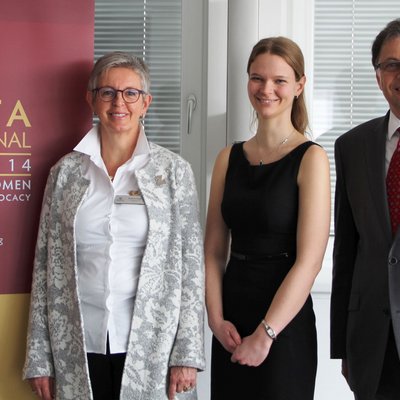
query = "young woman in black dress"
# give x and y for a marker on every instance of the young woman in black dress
(266, 235)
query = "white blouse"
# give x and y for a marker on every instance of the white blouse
(111, 231)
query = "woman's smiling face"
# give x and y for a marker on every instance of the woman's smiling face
(118, 116)
(272, 86)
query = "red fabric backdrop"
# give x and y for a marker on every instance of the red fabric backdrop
(47, 54)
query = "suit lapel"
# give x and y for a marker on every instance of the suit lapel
(375, 149)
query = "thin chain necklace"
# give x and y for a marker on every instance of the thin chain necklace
(285, 140)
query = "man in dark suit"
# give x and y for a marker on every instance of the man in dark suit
(365, 302)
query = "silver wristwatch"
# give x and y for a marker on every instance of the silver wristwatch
(270, 332)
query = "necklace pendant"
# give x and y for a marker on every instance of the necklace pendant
(261, 162)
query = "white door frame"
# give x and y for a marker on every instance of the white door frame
(194, 91)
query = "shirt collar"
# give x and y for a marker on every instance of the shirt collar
(393, 125)
(90, 145)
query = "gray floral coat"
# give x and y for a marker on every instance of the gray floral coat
(167, 322)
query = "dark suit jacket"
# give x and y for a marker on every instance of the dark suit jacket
(361, 305)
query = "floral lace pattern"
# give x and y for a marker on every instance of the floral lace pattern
(167, 323)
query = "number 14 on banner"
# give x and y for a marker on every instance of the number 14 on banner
(19, 165)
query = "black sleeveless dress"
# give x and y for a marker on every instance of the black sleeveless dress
(260, 207)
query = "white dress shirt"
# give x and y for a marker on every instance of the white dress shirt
(392, 138)
(111, 233)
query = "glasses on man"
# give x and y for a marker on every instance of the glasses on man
(129, 95)
(389, 66)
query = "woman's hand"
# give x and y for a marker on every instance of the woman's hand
(254, 349)
(43, 387)
(227, 335)
(181, 379)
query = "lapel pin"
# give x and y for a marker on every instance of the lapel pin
(159, 180)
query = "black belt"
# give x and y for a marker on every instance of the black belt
(259, 257)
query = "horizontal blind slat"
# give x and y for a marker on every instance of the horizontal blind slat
(345, 89)
(151, 29)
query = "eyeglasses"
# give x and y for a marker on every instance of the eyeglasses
(129, 95)
(389, 66)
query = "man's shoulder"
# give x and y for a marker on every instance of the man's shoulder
(363, 129)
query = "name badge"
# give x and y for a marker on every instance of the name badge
(135, 198)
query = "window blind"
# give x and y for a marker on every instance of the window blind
(151, 29)
(345, 91)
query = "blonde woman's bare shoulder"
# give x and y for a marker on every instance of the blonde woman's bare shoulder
(316, 151)
(223, 157)
(221, 165)
(315, 160)
(225, 152)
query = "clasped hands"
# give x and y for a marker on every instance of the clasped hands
(251, 350)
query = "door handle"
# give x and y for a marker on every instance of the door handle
(191, 106)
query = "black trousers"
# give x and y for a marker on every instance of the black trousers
(105, 372)
(389, 385)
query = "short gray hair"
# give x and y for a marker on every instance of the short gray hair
(120, 59)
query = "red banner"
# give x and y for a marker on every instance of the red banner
(47, 54)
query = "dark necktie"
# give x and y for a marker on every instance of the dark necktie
(393, 188)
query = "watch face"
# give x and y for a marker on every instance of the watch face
(271, 332)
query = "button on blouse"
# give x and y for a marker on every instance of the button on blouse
(110, 240)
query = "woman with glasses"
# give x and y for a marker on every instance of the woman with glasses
(117, 293)
(267, 230)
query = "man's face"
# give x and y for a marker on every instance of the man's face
(389, 80)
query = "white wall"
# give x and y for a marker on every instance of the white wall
(231, 36)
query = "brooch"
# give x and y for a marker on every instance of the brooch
(159, 180)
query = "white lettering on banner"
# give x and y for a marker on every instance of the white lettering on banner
(17, 184)
(14, 197)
